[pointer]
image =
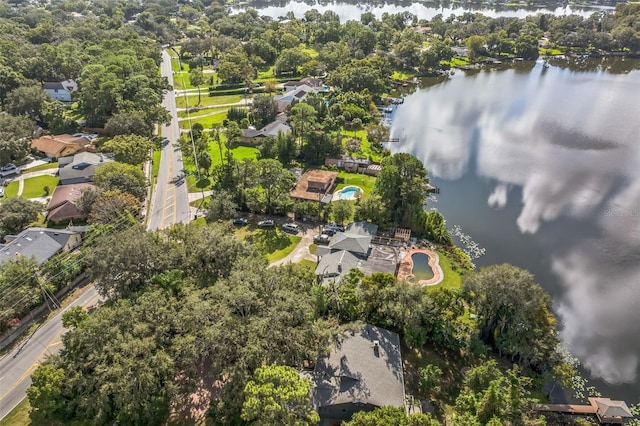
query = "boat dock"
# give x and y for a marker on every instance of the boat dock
(606, 410)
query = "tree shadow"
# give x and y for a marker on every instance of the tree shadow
(203, 183)
(269, 240)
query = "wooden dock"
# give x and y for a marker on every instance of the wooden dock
(565, 408)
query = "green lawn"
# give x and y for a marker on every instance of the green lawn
(34, 187)
(365, 182)
(181, 79)
(452, 279)
(239, 153)
(201, 112)
(365, 146)
(155, 165)
(207, 121)
(19, 416)
(402, 74)
(11, 190)
(308, 264)
(207, 100)
(273, 243)
(266, 73)
(45, 166)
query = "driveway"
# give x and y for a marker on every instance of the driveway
(301, 252)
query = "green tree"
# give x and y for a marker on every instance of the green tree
(430, 376)
(28, 101)
(127, 124)
(376, 134)
(221, 207)
(45, 393)
(14, 138)
(371, 209)
(16, 213)
(303, 119)
(278, 395)
(110, 206)
(197, 78)
(476, 46)
(396, 416)
(290, 59)
(124, 177)
(131, 149)
(74, 316)
(342, 210)
(514, 314)
(263, 110)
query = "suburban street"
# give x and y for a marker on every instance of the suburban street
(170, 203)
(16, 367)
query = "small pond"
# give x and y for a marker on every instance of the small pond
(421, 269)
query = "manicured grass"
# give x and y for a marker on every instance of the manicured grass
(45, 166)
(155, 165)
(19, 416)
(452, 279)
(207, 121)
(239, 153)
(207, 100)
(313, 248)
(308, 264)
(11, 190)
(365, 146)
(202, 203)
(33, 187)
(457, 61)
(181, 79)
(365, 182)
(266, 73)
(549, 52)
(200, 112)
(273, 243)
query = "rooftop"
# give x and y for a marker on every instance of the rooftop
(307, 187)
(364, 367)
(355, 243)
(42, 243)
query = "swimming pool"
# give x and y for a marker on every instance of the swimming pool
(421, 268)
(349, 193)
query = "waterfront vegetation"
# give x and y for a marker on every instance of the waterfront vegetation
(197, 306)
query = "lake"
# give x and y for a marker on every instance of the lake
(352, 11)
(541, 167)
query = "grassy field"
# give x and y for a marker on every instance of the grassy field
(239, 153)
(19, 416)
(200, 112)
(452, 279)
(273, 243)
(209, 101)
(403, 74)
(363, 181)
(34, 187)
(45, 166)
(365, 146)
(207, 121)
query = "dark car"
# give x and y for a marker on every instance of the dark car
(266, 224)
(241, 221)
(9, 169)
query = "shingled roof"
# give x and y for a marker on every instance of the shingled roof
(364, 367)
(355, 243)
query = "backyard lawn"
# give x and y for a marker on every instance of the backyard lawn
(207, 121)
(452, 279)
(365, 182)
(273, 243)
(195, 113)
(45, 166)
(239, 153)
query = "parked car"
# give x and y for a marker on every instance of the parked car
(292, 228)
(1, 191)
(266, 224)
(9, 169)
(321, 239)
(332, 228)
(241, 221)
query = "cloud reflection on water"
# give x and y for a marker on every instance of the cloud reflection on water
(568, 140)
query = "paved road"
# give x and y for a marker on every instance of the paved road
(16, 367)
(170, 203)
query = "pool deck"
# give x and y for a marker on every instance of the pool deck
(356, 195)
(406, 267)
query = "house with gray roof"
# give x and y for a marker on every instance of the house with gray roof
(357, 244)
(60, 90)
(362, 228)
(81, 167)
(270, 130)
(363, 371)
(42, 243)
(333, 266)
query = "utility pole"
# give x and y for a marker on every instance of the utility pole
(193, 144)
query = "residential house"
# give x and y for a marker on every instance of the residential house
(60, 90)
(62, 145)
(298, 94)
(251, 135)
(62, 206)
(314, 83)
(364, 254)
(81, 167)
(42, 243)
(363, 371)
(315, 185)
(355, 165)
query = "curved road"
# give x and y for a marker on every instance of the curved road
(16, 367)
(170, 203)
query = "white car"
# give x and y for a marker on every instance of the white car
(291, 227)
(9, 169)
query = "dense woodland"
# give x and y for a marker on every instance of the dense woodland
(194, 310)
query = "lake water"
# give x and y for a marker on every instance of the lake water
(352, 11)
(541, 167)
